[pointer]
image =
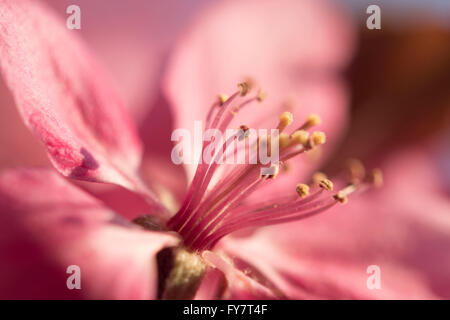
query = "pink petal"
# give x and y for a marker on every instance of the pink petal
(166, 178)
(147, 29)
(47, 224)
(404, 228)
(122, 201)
(63, 97)
(19, 147)
(293, 49)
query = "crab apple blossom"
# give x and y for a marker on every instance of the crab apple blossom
(242, 230)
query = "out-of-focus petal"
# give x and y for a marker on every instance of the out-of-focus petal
(63, 97)
(403, 228)
(47, 224)
(166, 179)
(293, 49)
(132, 38)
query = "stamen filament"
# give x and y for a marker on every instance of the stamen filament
(219, 213)
(218, 234)
(208, 176)
(210, 213)
(180, 217)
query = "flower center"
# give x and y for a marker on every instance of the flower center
(211, 211)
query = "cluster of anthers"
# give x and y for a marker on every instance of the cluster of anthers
(210, 213)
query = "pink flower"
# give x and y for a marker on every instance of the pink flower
(49, 223)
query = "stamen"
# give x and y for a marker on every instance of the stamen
(316, 138)
(299, 137)
(318, 177)
(342, 195)
(311, 121)
(222, 99)
(356, 171)
(199, 183)
(283, 140)
(302, 190)
(210, 212)
(286, 119)
(262, 95)
(217, 213)
(278, 214)
(326, 184)
(245, 87)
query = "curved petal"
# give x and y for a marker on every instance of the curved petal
(47, 225)
(293, 49)
(63, 97)
(404, 229)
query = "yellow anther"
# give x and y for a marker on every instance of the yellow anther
(302, 190)
(283, 140)
(341, 197)
(376, 178)
(318, 177)
(311, 121)
(286, 119)
(316, 138)
(222, 99)
(326, 184)
(262, 95)
(356, 170)
(244, 88)
(299, 137)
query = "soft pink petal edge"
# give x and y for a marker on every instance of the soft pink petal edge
(47, 225)
(403, 228)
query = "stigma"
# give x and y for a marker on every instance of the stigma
(218, 201)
